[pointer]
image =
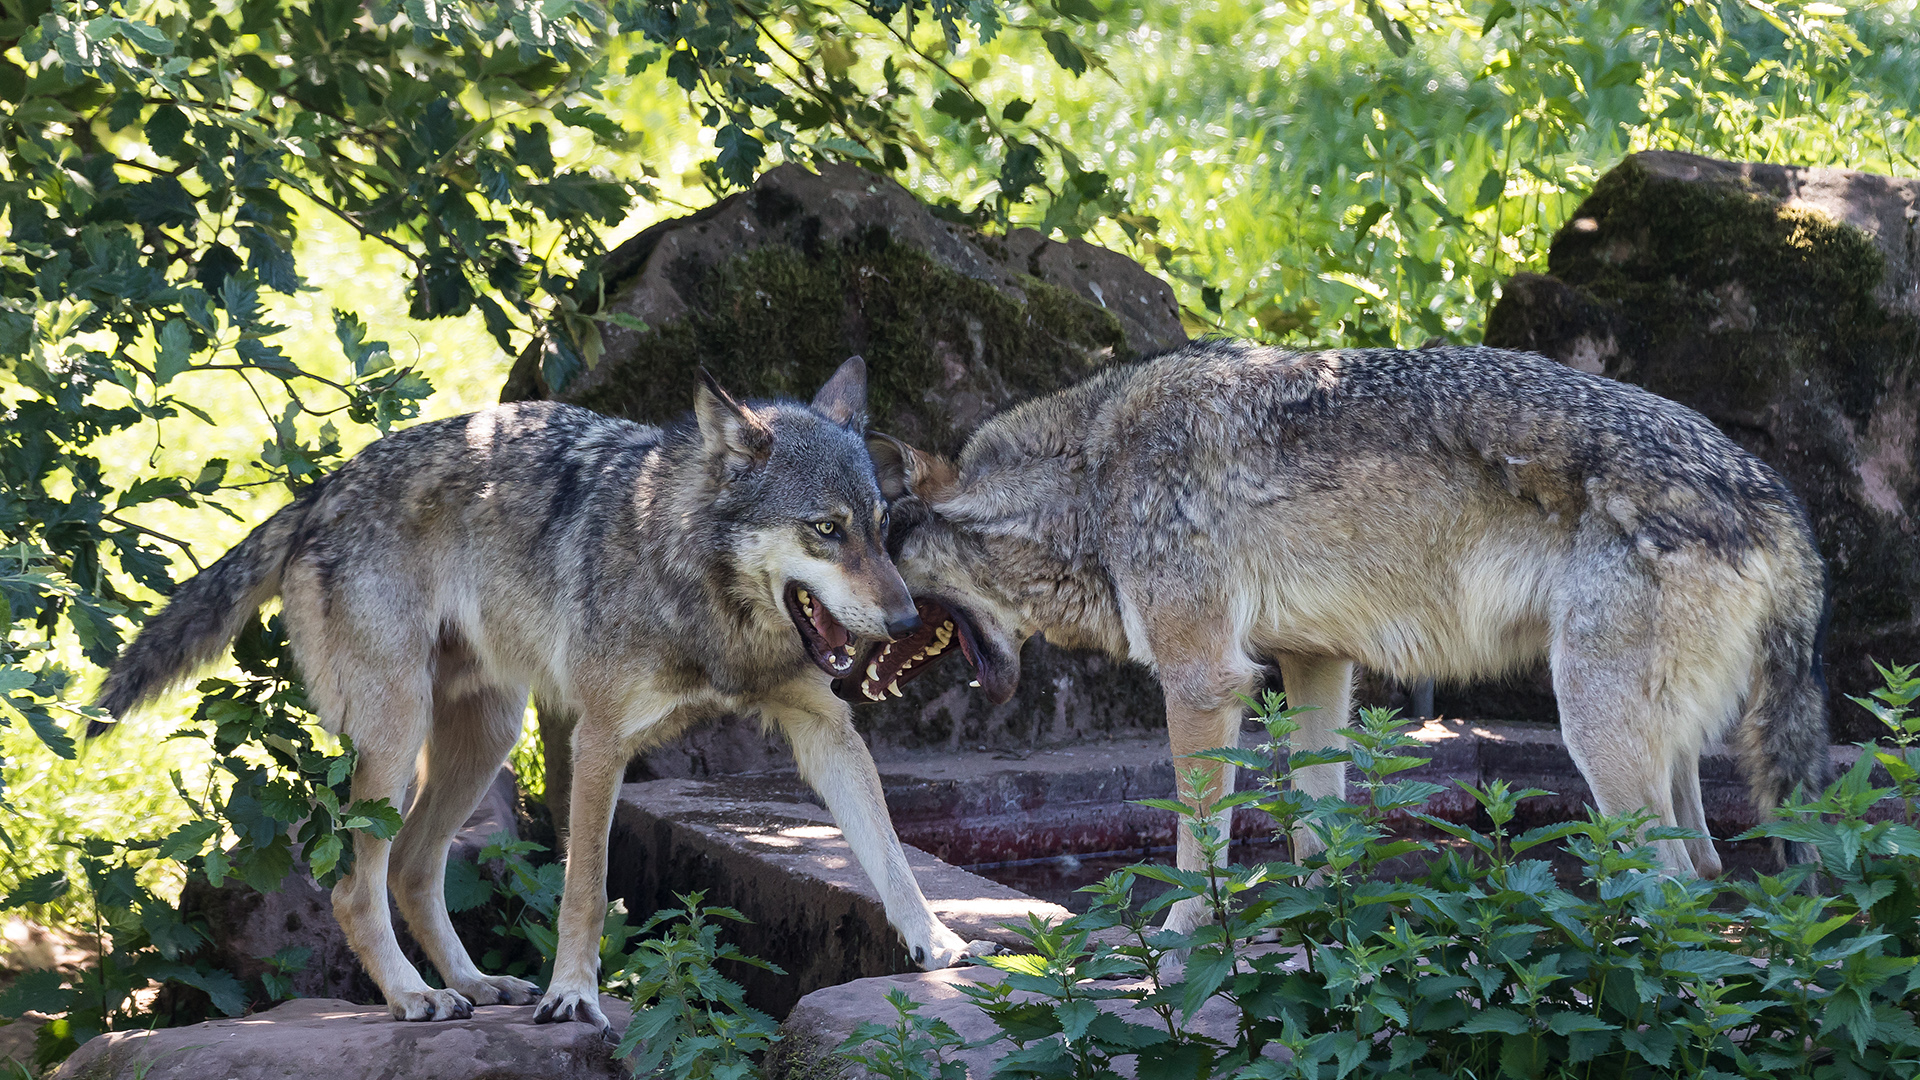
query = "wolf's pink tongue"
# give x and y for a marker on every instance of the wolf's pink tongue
(829, 627)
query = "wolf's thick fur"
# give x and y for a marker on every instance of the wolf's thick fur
(636, 578)
(1453, 512)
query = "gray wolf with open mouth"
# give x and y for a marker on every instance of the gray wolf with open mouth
(1451, 512)
(639, 579)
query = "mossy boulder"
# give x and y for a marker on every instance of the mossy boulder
(772, 288)
(1784, 304)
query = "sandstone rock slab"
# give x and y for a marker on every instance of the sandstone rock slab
(824, 1018)
(329, 1039)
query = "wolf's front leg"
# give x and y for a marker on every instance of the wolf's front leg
(599, 760)
(835, 761)
(1204, 710)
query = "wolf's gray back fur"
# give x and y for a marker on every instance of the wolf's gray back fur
(1451, 512)
(639, 579)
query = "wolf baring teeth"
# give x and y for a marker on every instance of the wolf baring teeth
(1455, 512)
(635, 579)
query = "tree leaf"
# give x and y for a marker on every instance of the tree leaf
(1069, 56)
(959, 104)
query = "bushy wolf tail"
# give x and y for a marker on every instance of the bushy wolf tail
(1783, 737)
(204, 615)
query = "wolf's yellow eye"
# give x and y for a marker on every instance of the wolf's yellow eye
(827, 528)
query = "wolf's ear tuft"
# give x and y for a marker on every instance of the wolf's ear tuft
(729, 428)
(843, 399)
(904, 471)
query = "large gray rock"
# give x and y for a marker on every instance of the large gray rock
(1784, 304)
(326, 1039)
(771, 289)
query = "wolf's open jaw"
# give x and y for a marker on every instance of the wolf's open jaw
(829, 644)
(894, 662)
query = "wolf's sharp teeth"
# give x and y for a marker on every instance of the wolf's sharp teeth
(873, 670)
(975, 682)
(894, 689)
(947, 626)
(872, 694)
(935, 649)
(804, 598)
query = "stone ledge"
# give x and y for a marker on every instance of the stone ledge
(973, 809)
(757, 844)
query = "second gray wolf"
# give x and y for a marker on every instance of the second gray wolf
(1448, 512)
(639, 579)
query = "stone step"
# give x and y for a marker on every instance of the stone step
(760, 845)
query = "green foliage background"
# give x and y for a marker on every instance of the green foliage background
(245, 237)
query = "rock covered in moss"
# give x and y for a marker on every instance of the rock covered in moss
(771, 288)
(1784, 304)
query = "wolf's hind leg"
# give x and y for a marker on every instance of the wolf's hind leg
(472, 734)
(1691, 813)
(834, 760)
(1324, 688)
(1603, 673)
(388, 724)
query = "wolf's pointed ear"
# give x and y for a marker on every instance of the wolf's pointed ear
(843, 399)
(729, 428)
(903, 471)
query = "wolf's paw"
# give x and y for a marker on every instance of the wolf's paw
(947, 949)
(499, 990)
(561, 1006)
(430, 1005)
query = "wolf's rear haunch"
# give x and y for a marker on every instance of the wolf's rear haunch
(204, 615)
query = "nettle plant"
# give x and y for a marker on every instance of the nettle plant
(1477, 961)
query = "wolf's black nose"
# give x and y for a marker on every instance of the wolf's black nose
(899, 628)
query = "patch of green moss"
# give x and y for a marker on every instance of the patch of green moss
(777, 321)
(1765, 317)
(1784, 289)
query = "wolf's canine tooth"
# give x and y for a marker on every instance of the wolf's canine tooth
(873, 670)
(894, 689)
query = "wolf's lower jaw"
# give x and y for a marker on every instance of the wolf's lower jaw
(828, 642)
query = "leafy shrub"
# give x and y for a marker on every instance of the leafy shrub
(1483, 964)
(689, 1021)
